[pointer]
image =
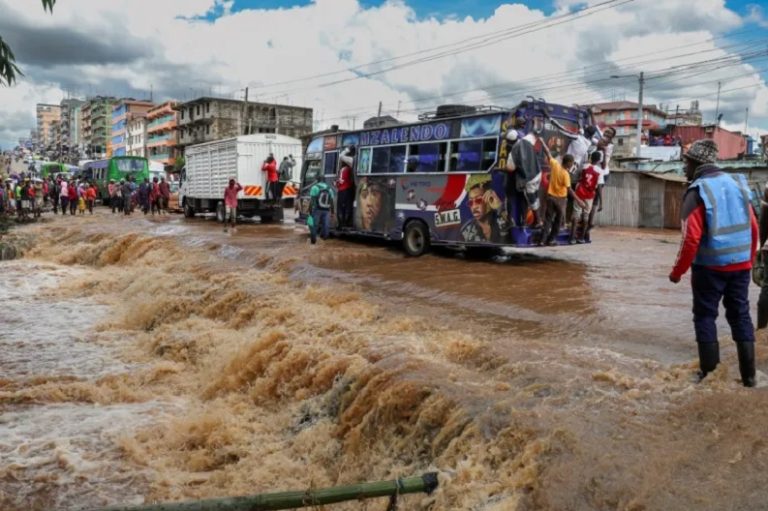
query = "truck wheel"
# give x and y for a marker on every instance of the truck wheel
(220, 213)
(416, 239)
(189, 211)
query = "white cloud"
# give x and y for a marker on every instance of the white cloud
(178, 54)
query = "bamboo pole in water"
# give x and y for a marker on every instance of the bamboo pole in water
(296, 499)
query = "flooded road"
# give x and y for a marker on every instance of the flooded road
(148, 360)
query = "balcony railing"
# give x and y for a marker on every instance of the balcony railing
(161, 138)
(161, 120)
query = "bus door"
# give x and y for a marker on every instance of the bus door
(311, 171)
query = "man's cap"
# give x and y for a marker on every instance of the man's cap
(702, 151)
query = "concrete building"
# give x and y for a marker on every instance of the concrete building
(97, 125)
(690, 117)
(162, 135)
(136, 140)
(70, 123)
(120, 117)
(206, 119)
(622, 116)
(46, 114)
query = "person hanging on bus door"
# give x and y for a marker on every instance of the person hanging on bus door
(523, 179)
(346, 187)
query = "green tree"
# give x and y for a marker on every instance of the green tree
(8, 67)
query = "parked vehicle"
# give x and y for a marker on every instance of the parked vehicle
(210, 166)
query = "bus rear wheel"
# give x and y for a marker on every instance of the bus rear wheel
(416, 239)
(189, 211)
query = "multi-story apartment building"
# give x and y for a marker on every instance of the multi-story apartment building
(70, 125)
(120, 123)
(622, 116)
(46, 114)
(97, 125)
(162, 135)
(206, 119)
(137, 133)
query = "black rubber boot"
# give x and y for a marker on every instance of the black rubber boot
(709, 357)
(746, 351)
(762, 308)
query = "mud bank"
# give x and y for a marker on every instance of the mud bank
(236, 370)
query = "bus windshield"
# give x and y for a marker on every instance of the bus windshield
(313, 172)
(130, 164)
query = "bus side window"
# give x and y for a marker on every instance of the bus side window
(429, 157)
(330, 163)
(388, 160)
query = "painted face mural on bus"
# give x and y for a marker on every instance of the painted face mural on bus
(375, 205)
(488, 223)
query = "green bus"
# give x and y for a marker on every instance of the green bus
(52, 168)
(115, 168)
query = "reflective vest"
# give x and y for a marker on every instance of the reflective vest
(728, 235)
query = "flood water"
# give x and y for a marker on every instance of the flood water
(150, 360)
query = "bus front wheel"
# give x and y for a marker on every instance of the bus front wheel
(416, 239)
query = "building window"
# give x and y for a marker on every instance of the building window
(207, 107)
(621, 141)
(182, 114)
(198, 109)
(208, 129)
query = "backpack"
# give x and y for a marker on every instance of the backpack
(324, 199)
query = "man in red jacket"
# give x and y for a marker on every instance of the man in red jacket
(270, 167)
(720, 237)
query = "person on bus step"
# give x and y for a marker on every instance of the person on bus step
(285, 172)
(230, 204)
(523, 178)
(605, 145)
(586, 190)
(720, 236)
(346, 187)
(270, 167)
(558, 191)
(320, 209)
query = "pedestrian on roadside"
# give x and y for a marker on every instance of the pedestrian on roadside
(90, 197)
(720, 236)
(230, 204)
(112, 192)
(144, 189)
(72, 191)
(320, 209)
(39, 198)
(155, 199)
(165, 194)
(127, 191)
(64, 196)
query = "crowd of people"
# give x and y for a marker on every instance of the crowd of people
(26, 197)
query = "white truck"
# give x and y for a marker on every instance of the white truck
(210, 166)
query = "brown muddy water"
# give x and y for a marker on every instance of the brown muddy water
(150, 360)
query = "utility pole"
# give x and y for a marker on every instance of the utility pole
(746, 122)
(379, 114)
(717, 107)
(245, 111)
(640, 115)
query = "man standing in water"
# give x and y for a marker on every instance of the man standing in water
(230, 204)
(720, 237)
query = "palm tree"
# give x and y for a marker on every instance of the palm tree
(8, 67)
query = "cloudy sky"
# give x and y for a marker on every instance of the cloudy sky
(343, 57)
